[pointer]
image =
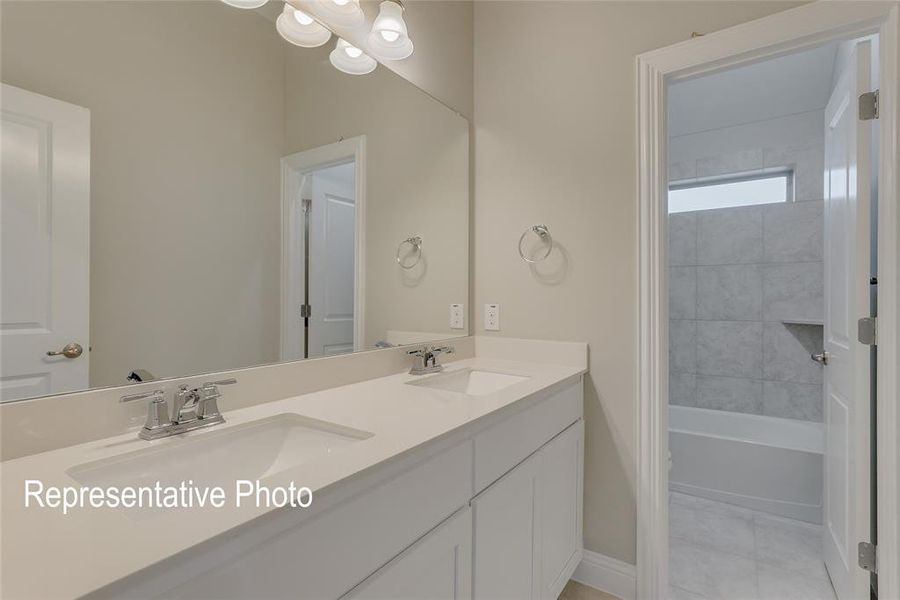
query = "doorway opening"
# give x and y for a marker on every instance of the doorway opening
(772, 172)
(322, 250)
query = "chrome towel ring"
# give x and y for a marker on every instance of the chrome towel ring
(416, 243)
(543, 232)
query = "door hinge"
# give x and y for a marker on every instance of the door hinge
(305, 204)
(305, 311)
(866, 331)
(868, 557)
(868, 106)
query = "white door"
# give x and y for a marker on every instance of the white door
(846, 389)
(437, 567)
(332, 233)
(45, 244)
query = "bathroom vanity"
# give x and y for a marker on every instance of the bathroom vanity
(465, 483)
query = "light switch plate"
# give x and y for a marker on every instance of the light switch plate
(457, 316)
(492, 317)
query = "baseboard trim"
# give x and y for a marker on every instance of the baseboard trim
(607, 575)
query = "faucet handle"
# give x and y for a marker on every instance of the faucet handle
(420, 352)
(444, 350)
(157, 410)
(209, 392)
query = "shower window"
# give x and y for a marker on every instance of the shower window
(745, 190)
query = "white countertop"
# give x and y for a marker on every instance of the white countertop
(46, 554)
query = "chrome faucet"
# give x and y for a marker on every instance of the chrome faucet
(192, 408)
(426, 359)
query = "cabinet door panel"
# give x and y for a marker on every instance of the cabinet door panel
(436, 567)
(505, 528)
(560, 509)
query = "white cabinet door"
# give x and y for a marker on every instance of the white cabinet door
(45, 249)
(560, 509)
(437, 567)
(505, 524)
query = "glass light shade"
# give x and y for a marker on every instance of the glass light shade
(389, 39)
(350, 59)
(300, 29)
(341, 13)
(245, 3)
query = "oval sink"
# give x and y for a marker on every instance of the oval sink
(472, 382)
(252, 450)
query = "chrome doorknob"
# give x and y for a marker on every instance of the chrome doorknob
(821, 357)
(72, 350)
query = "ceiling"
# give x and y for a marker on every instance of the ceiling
(795, 83)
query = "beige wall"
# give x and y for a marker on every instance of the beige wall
(184, 173)
(555, 144)
(416, 183)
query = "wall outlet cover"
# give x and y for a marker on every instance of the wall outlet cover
(492, 317)
(457, 316)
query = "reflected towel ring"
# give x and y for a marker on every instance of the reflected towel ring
(416, 243)
(543, 232)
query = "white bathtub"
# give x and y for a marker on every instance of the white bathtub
(764, 463)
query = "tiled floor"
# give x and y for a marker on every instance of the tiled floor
(576, 591)
(722, 552)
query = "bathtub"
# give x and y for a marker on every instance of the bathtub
(764, 463)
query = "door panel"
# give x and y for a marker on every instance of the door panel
(332, 234)
(505, 524)
(45, 253)
(437, 567)
(846, 374)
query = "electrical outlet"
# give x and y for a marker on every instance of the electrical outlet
(492, 317)
(457, 316)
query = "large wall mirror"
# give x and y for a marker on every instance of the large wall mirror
(183, 191)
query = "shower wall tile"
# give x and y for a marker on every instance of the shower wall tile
(793, 400)
(793, 291)
(786, 350)
(682, 346)
(793, 232)
(729, 348)
(734, 394)
(686, 169)
(683, 239)
(730, 236)
(683, 389)
(730, 163)
(682, 292)
(807, 163)
(729, 293)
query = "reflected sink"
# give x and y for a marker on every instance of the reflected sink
(252, 450)
(472, 382)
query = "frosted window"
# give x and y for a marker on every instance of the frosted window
(767, 189)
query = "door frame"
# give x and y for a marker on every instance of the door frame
(803, 27)
(293, 169)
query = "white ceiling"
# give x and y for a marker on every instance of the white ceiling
(786, 85)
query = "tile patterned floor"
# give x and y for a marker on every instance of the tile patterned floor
(577, 591)
(722, 552)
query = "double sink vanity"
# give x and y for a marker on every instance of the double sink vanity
(461, 483)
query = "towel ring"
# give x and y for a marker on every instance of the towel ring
(416, 243)
(543, 232)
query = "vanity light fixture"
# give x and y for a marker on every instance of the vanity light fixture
(342, 13)
(300, 29)
(248, 4)
(389, 39)
(350, 59)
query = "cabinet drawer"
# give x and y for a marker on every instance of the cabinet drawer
(326, 555)
(506, 444)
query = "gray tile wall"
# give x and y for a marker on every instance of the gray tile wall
(735, 276)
